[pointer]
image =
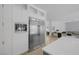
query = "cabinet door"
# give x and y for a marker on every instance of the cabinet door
(1, 31)
(7, 20)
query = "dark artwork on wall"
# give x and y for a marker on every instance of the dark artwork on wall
(20, 27)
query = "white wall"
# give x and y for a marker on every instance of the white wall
(58, 25)
(69, 22)
(72, 21)
(72, 26)
(48, 26)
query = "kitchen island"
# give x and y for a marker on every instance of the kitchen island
(67, 45)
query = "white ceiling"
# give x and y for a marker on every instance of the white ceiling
(57, 12)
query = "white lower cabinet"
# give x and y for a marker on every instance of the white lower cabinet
(12, 42)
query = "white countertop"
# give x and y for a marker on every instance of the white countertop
(68, 45)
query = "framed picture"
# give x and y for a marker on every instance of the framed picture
(20, 27)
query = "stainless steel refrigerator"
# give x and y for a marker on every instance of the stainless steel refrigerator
(36, 33)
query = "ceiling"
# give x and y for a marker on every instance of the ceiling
(57, 12)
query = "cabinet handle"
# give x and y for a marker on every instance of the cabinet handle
(3, 42)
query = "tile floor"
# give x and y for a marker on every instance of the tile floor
(39, 51)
